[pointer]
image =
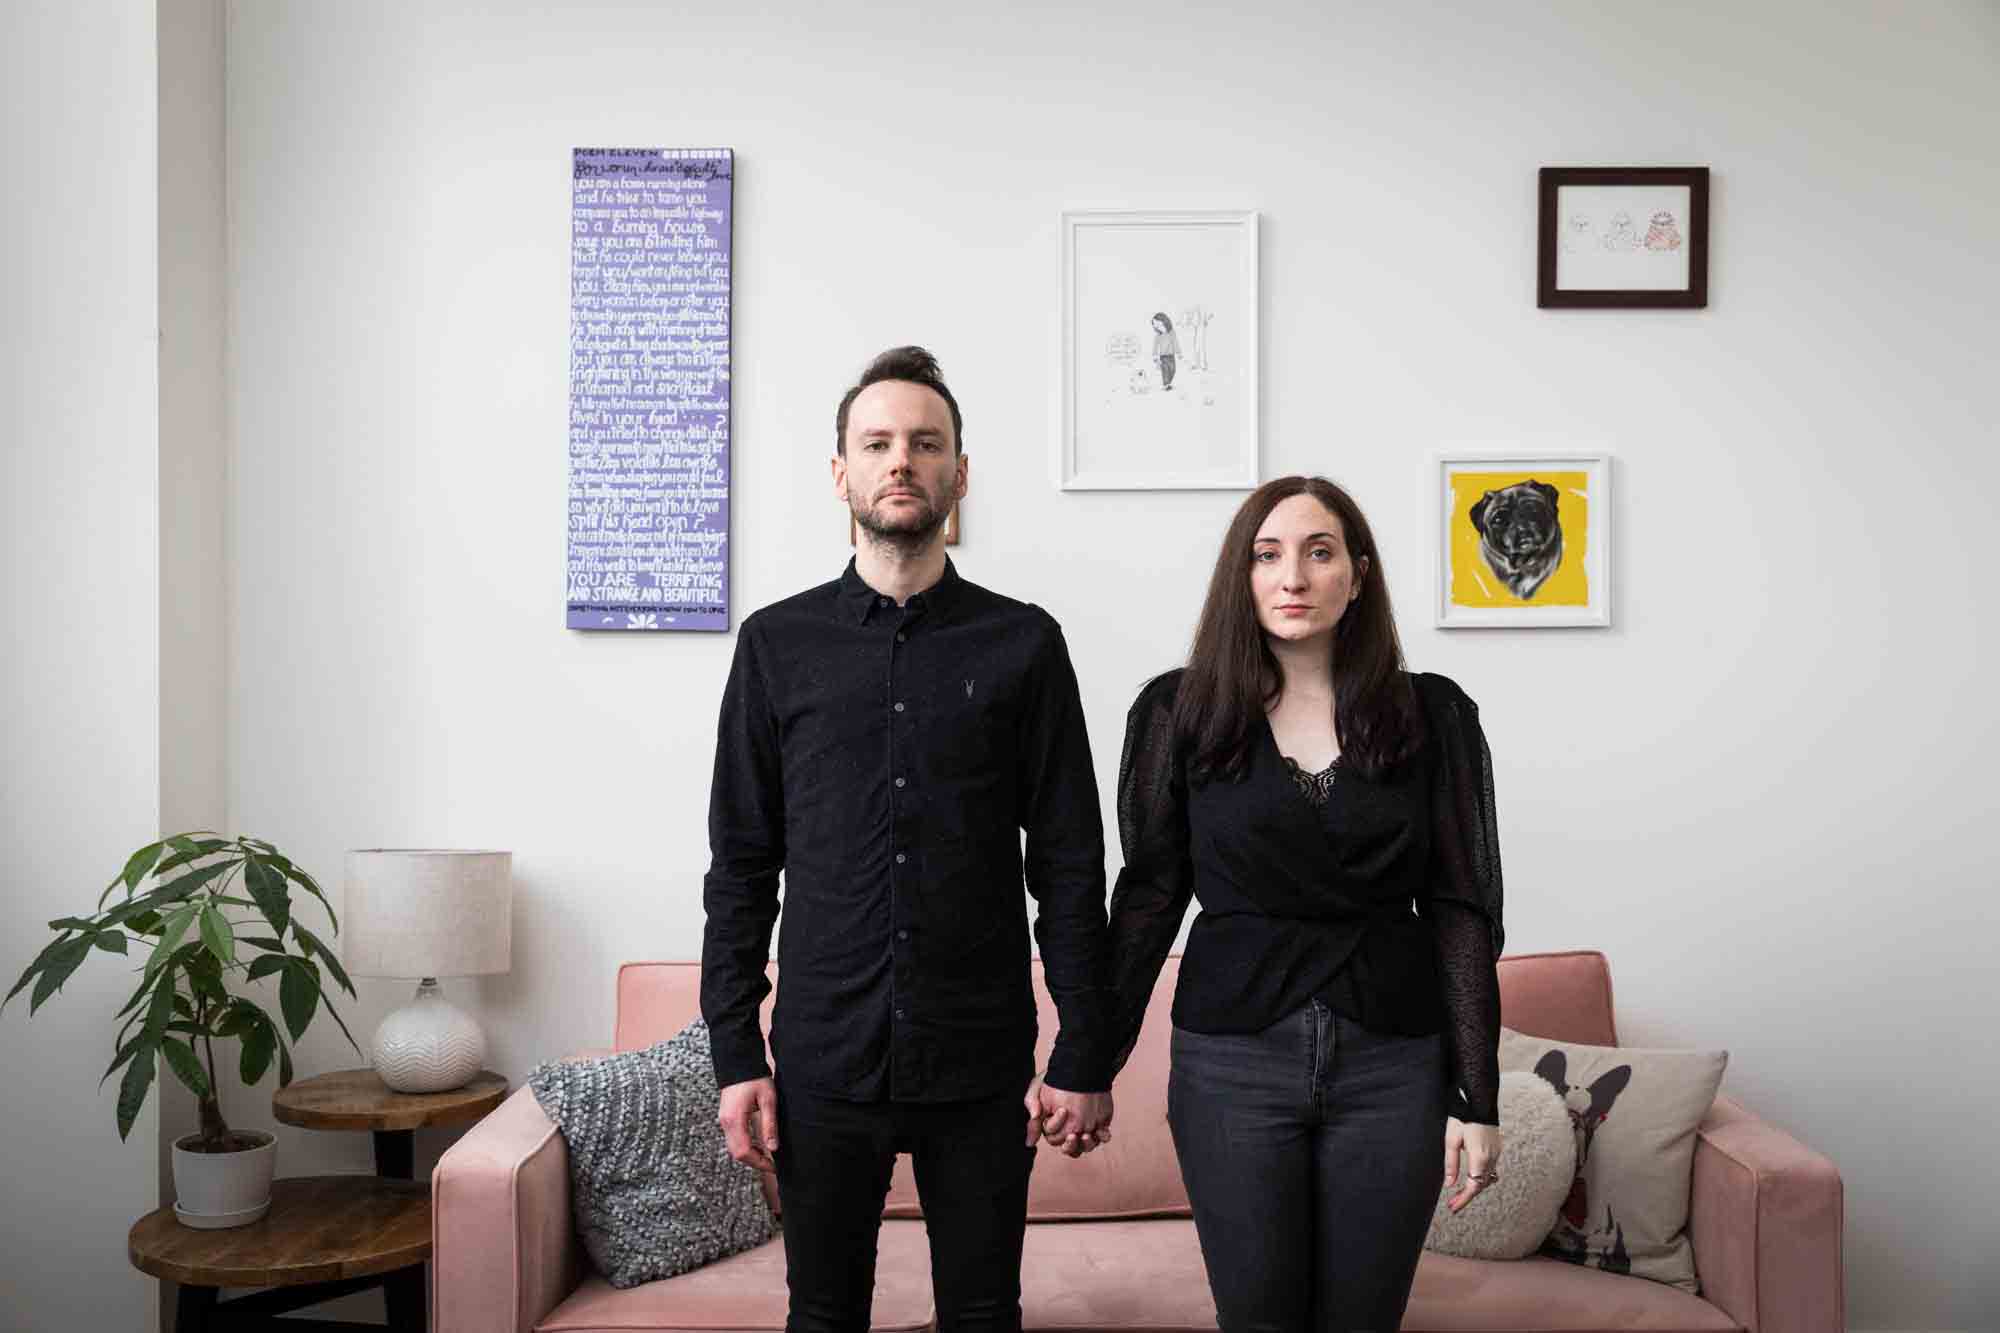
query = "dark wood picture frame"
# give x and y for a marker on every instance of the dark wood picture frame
(1693, 296)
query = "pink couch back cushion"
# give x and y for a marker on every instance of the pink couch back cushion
(1566, 996)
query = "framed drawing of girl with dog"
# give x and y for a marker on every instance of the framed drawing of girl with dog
(1523, 541)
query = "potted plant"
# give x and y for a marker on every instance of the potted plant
(202, 919)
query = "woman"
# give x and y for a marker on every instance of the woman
(1166, 348)
(1338, 1012)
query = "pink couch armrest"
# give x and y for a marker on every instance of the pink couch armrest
(504, 1248)
(1765, 1220)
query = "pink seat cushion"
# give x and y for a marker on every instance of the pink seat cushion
(746, 1292)
(1114, 1275)
(1454, 1295)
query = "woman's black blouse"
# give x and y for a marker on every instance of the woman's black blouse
(1383, 903)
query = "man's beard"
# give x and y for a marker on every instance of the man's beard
(908, 534)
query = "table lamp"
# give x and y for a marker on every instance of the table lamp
(428, 914)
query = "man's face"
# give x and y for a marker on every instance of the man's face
(902, 471)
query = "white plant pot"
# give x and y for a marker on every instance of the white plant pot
(214, 1190)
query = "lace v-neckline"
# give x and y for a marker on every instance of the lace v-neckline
(1315, 787)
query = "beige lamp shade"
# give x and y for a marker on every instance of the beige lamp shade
(427, 913)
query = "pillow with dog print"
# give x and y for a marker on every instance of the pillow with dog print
(1633, 1113)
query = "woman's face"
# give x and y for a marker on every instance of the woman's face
(1159, 325)
(1302, 577)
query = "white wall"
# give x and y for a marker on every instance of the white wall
(79, 595)
(194, 647)
(1757, 793)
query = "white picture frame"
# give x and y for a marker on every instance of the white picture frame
(1123, 428)
(1495, 566)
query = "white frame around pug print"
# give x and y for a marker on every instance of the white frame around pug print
(1596, 557)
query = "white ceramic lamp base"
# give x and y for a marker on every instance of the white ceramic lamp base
(429, 1045)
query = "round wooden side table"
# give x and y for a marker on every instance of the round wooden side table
(325, 1236)
(353, 1099)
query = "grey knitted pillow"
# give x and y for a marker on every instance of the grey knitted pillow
(655, 1190)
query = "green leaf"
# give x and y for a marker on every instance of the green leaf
(183, 1006)
(125, 1052)
(72, 923)
(171, 930)
(217, 935)
(178, 890)
(138, 996)
(314, 944)
(298, 995)
(65, 962)
(204, 973)
(142, 861)
(187, 850)
(111, 941)
(42, 960)
(311, 885)
(268, 964)
(267, 886)
(240, 1017)
(161, 1010)
(265, 941)
(284, 1065)
(181, 1059)
(259, 1041)
(132, 1091)
(334, 1014)
(143, 923)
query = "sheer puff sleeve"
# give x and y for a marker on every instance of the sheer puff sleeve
(1153, 890)
(1465, 896)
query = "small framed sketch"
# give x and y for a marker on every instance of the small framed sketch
(1159, 351)
(1523, 540)
(1623, 237)
(951, 526)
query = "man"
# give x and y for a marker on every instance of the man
(884, 739)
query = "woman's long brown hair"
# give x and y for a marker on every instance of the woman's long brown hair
(1233, 679)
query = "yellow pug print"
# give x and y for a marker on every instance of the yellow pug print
(1519, 538)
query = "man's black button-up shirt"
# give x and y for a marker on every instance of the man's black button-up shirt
(886, 759)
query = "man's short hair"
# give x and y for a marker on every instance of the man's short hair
(912, 364)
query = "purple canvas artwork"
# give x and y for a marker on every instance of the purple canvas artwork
(649, 389)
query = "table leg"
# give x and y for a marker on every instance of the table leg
(192, 1307)
(396, 1153)
(404, 1293)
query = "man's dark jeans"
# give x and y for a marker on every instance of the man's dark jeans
(1313, 1153)
(834, 1159)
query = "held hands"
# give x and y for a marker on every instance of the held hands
(1075, 1122)
(749, 1120)
(1482, 1159)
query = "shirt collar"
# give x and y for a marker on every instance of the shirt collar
(860, 601)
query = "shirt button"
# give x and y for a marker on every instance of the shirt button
(902, 934)
(901, 637)
(899, 782)
(899, 706)
(902, 1013)
(900, 858)
(881, 601)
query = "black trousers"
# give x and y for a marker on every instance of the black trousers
(834, 1159)
(1313, 1153)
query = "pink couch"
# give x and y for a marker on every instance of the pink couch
(1111, 1246)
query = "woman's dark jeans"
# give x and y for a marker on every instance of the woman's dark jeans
(1313, 1153)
